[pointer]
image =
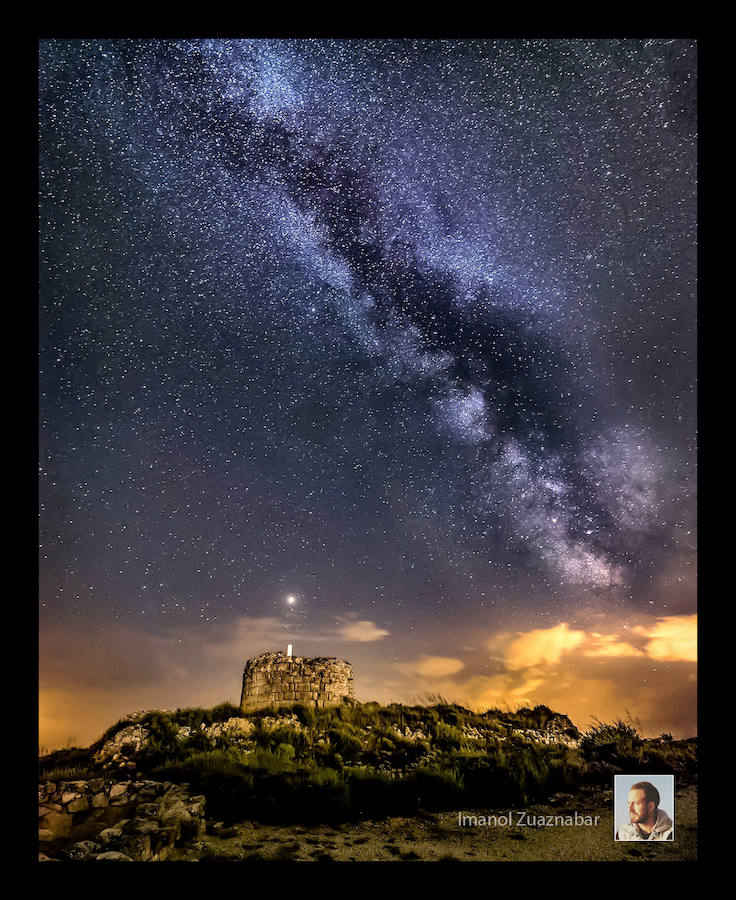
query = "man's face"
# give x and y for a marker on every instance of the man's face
(639, 809)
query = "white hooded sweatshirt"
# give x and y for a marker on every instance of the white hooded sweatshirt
(662, 831)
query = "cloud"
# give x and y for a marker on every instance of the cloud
(543, 645)
(585, 674)
(609, 645)
(672, 637)
(434, 666)
(363, 631)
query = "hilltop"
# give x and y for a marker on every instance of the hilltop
(301, 764)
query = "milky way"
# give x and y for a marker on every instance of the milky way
(405, 328)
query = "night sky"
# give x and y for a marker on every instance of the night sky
(403, 330)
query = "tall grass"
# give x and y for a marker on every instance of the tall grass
(353, 760)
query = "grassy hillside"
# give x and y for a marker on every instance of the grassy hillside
(366, 760)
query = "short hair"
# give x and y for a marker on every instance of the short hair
(650, 791)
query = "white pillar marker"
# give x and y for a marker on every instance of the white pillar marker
(288, 650)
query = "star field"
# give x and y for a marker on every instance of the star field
(403, 329)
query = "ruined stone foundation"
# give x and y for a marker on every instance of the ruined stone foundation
(280, 680)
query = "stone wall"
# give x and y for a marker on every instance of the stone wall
(280, 680)
(105, 819)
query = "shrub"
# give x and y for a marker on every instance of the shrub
(406, 753)
(619, 739)
(371, 793)
(349, 711)
(298, 738)
(346, 743)
(324, 797)
(268, 761)
(516, 775)
(226, 782)
(434, 789)
(448, 737)
(306, 714)
(327, 755)
(452, 714)
(225, 711)
(673, 756)
(162, 742)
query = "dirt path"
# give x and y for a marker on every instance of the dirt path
(440, 837)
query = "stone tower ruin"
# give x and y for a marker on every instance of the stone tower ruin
(279, 679)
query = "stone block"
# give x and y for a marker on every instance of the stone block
(59, 824)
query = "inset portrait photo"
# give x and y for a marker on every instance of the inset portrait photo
(644, 807)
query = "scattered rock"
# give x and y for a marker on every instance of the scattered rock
(126, 743)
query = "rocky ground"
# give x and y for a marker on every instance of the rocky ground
(438, 837)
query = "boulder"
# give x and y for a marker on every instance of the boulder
(110, 835)
(81, 850)
(140, 826)
(58, 823)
